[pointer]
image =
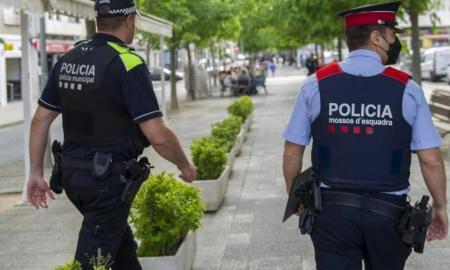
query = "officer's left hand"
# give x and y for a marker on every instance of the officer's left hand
(438, 229)
(300, 210)
(37, 191)
(188, 173)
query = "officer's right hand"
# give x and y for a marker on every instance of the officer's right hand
(188, 173)
(438, 229)
(37, 192)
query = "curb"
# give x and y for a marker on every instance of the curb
(11, 124)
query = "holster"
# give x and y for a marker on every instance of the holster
(309, 193)
(414, 223)
(56, 182)
(136, 173)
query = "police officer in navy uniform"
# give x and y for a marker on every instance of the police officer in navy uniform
(365, 120)
(103, 90)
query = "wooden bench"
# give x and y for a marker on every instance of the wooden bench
(440, 110)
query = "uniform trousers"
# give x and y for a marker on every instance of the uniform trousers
(105, 226)
(346, 237)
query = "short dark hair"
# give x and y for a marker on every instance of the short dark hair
(358, 36)
(110, 23)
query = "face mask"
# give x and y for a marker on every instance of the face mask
(393, 52)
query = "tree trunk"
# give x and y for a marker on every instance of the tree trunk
(147, 52)
(316, 52)
(340, 48)
(173, 81)
(191, 91)
(417, 74)
(322, 57)
(213, 55)
(90, 28)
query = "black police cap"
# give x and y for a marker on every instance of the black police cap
(379, 14)
(114, 8)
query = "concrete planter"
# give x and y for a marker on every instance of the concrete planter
(240, 141)
(248, 122)
(232, 157)
(183, 260)
(213, 191)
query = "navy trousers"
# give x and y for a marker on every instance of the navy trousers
(105, 227)
(345, 237)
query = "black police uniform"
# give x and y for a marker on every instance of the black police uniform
(103, 90)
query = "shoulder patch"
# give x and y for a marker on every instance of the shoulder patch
(130, 60)
(128, 57)
(328, 71)
(396, 74)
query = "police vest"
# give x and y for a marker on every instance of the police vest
(360, 139)
(89, 115)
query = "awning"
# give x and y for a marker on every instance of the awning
(85, 9)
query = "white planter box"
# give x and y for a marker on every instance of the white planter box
(240, 141)
(232, 157)
(248, 122)
(213, 191)
(183, 260)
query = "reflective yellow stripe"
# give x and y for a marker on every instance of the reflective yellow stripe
(118, 48)
(129, 59)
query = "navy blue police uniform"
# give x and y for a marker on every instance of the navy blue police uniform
(365, 120)
(356, 154)
(103, 90)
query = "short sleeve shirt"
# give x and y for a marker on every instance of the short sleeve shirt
(363, 63)
(132, 89)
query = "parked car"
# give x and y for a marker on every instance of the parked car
(434, 63)
(448, 74)
(156, 74)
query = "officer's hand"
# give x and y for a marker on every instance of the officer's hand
(300, 210)
(438, 229)
(188, 173)
(37, 192)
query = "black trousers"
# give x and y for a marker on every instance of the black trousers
(105, 227)
(345, 237)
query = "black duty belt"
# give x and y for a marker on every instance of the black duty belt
(75, 163)
(377, 206)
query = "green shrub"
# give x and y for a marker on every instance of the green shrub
(163, 212)
(75, 265)
(209, 156)
(242, 107)
(226, 131)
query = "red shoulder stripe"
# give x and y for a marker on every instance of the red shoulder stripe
(396, 74)
(328, 71)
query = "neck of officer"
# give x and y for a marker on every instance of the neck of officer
(374, 48)
(120, 34)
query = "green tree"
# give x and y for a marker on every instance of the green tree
(414, 8)
(177, 12)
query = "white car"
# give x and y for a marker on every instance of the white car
(448, 74)
(434, 63)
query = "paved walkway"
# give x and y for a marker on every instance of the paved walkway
(246, 233)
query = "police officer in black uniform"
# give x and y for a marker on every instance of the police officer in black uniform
(365, 120)
(110, 114)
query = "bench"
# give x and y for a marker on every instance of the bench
(440, 110)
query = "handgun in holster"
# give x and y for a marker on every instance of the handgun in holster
(414, 223)
(135, 174)
(56, 182)
(309, 193)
